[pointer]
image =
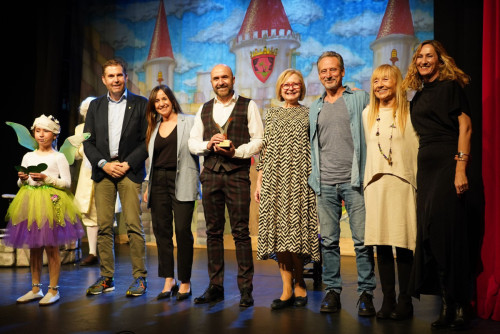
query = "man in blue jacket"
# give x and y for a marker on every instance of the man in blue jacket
(338, 155)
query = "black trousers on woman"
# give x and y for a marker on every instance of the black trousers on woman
(165, 209)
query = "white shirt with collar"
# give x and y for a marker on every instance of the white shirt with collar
(221, 113)
(116, 114)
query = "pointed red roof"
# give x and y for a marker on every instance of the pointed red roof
(264, 15)
(397, 19)
(160, 43)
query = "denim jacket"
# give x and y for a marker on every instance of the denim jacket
(356, 101)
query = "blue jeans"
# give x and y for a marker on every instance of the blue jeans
(329, 214)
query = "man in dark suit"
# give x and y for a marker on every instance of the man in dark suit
(117, 151)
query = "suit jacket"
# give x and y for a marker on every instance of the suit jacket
(187, 181)
(132, 148)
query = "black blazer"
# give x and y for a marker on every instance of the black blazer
(132, 147)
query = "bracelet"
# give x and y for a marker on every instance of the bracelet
(458, 158)
(461, 154)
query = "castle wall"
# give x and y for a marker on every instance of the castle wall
(404, 45)
(166, 65)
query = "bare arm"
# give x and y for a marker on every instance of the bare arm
(465, 132)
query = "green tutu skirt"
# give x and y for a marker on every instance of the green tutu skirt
(42, 216)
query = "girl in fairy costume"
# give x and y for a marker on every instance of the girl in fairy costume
(42, 215)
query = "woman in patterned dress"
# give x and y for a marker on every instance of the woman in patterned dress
(288, 229)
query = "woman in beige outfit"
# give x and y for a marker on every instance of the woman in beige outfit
(390, 187)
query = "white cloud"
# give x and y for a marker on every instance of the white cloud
(221, 32)
(118, 35)
(364, 75)
(183, 64)
(302, 11)
(136, 66)
(313, 48)
(140, 11)
(193, 82)
(144, 11)
(366, 24)
(422, 21)
(199, 7)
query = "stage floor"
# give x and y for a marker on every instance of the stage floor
(115, 313)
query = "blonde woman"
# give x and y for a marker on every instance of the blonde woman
(288, 230)
(390, 187)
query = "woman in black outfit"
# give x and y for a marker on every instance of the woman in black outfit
(173, 188)
(440, 114)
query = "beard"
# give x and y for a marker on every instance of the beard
(332, 84)
(223, 91)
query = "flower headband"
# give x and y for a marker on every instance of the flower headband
(48, 123)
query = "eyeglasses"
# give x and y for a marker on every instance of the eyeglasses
(293, 85)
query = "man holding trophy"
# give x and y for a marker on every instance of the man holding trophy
(227, 132)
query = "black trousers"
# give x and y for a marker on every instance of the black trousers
(165, 209)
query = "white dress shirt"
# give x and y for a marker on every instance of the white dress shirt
(221, 113)
(116, 113)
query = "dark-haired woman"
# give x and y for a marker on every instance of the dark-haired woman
(173, 188)
(440, 112)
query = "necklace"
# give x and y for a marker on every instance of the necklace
(389, 156)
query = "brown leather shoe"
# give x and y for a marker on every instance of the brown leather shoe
(89, 260)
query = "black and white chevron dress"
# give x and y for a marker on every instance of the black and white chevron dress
(287, 213)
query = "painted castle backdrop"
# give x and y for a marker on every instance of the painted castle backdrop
(177, 42)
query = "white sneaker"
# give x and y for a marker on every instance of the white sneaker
(30, 296)
(49, 299)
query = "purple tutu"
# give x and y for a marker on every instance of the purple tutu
(42, 216)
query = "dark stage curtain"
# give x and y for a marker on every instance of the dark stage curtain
(43, 50)
(488, 282)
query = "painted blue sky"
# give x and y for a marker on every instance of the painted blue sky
(200, 31)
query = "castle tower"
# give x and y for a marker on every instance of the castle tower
(159, 67)
(396, 37)
(263, 49)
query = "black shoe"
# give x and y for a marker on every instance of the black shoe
(366, 308)
(461, 319)
(402, 311)
(331, 302)
(385, 312)
(279, 304)
(300, 301)
(186, 295)
(89, 260)
(445, 315)
(246, 298)
(388, 306)
(213, 294)
(173, 291)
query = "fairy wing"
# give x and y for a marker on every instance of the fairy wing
(71, 144)
(23, 136)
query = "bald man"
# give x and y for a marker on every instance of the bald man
(226, 178)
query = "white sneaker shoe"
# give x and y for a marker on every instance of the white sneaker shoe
(30, 296)
(49, 299)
